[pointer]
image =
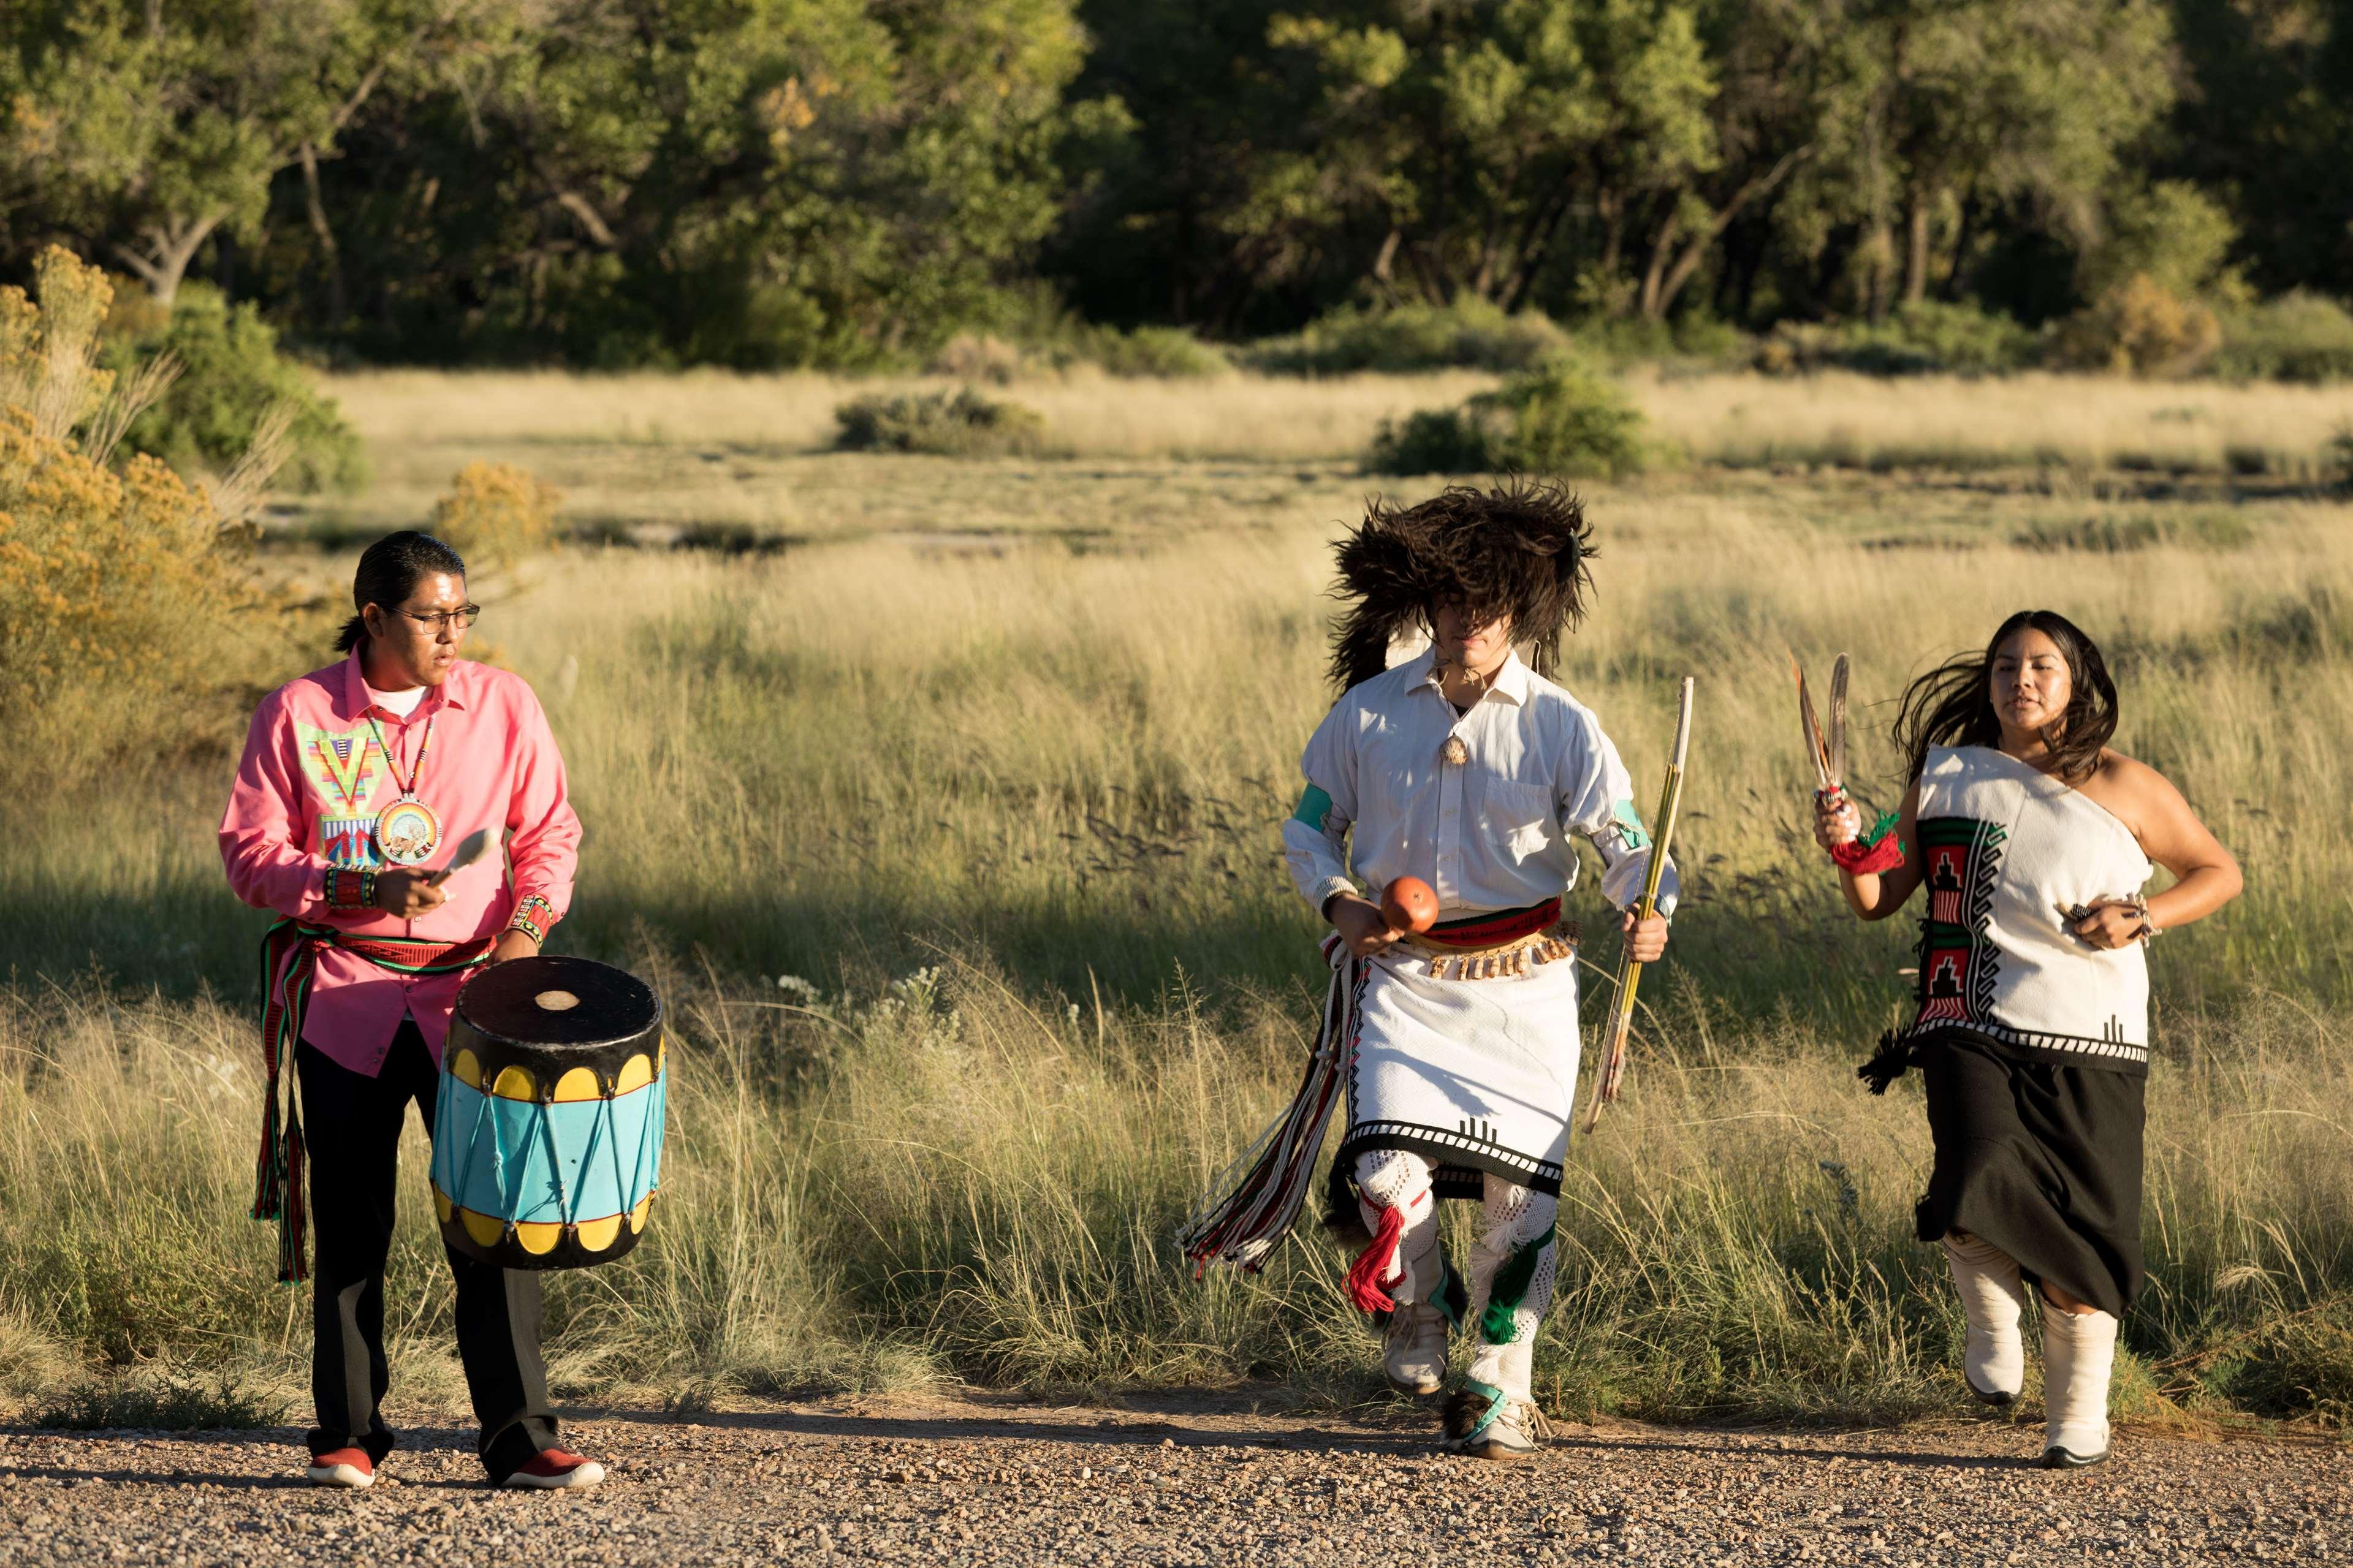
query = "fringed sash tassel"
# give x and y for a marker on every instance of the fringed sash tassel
(1262, 1191)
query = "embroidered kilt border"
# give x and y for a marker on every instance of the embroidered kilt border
(289, 960)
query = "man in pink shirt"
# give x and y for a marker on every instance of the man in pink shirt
(358, 782)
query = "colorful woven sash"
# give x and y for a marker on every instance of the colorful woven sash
(290, 959)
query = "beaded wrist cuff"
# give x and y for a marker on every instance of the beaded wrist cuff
(533, 916)
(348, 889)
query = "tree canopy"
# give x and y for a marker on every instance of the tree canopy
(774, 182)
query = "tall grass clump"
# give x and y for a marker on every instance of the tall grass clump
(962, 425)
(1562, 417)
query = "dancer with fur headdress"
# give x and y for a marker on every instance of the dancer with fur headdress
(1457, 1046)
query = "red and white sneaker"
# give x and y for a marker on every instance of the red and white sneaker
(556, 1470)
(342, 1467)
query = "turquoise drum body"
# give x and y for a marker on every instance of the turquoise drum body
(547, 1130)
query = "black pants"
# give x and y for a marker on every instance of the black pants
(352, 1125)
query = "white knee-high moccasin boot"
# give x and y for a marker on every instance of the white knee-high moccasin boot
(2079, 1352)
(1992, 1297)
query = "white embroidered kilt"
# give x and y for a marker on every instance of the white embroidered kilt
(1478, 1075)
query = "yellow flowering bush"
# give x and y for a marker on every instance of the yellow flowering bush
(496, 516)
(122, 588)
(2139, 326)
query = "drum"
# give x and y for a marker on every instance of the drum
(548, 1129)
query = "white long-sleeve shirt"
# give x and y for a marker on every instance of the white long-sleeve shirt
(1488, 833)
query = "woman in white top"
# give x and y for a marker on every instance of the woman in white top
(2033, 838)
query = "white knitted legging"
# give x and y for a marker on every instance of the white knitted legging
(1517, 1218)
(1519, 1241)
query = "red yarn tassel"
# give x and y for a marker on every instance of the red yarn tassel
(1365, 1275)
(1876, 851)
(1869, 859)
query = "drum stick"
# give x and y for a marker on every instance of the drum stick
(469, 849)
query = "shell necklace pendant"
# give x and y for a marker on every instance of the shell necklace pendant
(1454, 752)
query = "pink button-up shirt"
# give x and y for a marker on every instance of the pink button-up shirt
(308, 791)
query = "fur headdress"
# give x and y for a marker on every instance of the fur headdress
(1519, 549)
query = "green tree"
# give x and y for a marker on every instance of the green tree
(747, 181)
(1464, 140)
(2267, 129)
(159, 125)
(1939, 116)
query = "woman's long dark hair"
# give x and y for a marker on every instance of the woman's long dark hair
(389, 571)
(1952, 705)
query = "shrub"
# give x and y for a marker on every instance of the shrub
(964, 425)
(1167, 352)
(496, 515)
(1563, 418)
(98, 570)
(127, 594)
(1061, 342)
(2139, 328)
(1471, 333)
(232, 377)
(1463, 441)
(1926, 337)
(1694, 339)
(977, 356)
(2299, 336)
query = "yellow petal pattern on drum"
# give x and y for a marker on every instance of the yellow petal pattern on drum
(637, 1214)
(597, 1235)
(466, 1069)
(580, 1083)
(485, 1230)
(515, 1083)
(661, 1054)
(538, 1237)
(636, 1073)
(442, 1204)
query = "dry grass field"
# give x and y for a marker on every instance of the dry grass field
(984, 760)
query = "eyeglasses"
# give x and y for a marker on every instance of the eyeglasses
(434, 620)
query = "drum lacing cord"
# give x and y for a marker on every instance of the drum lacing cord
(555, 1164)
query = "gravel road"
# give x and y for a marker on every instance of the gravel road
(979, 1480)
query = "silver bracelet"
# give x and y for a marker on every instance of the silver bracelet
(2150, 929)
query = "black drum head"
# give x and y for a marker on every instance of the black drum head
(550, 1001)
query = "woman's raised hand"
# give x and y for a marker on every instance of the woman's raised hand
(1836, 821)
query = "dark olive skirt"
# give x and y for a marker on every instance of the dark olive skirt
(2040, 1155)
